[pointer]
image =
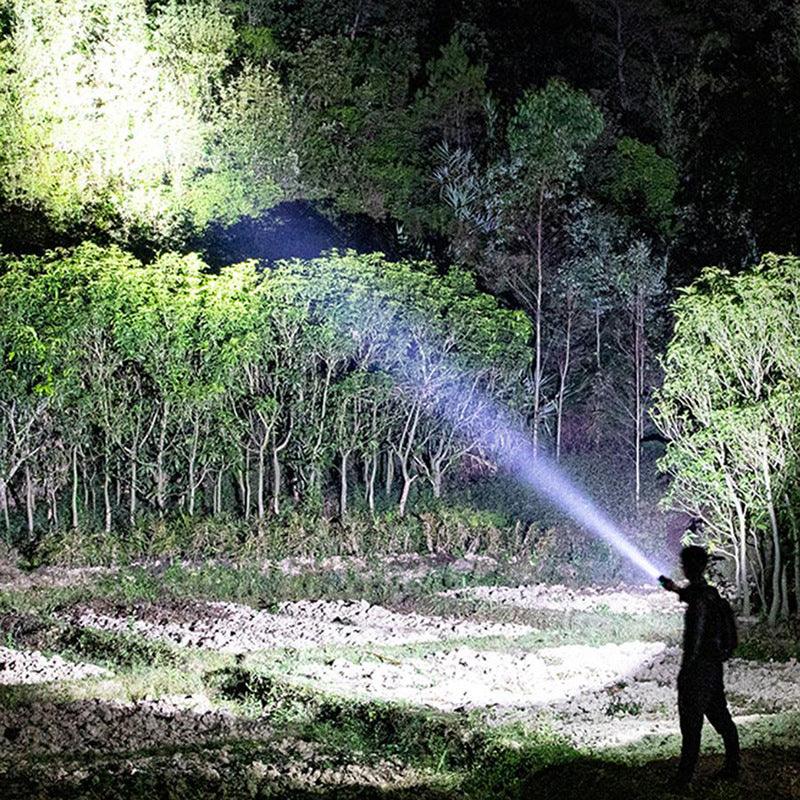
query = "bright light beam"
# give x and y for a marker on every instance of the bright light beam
(550, 482)
(495, 433)
(514, 452)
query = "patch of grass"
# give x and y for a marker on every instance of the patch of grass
(509, 758)
(14, 696)
(246, 583)
(47, 599)
(266, 588)
(621, 708)
(108, 648)
(763, 642)
(116, 649)
(481, 761)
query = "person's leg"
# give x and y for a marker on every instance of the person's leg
(720, 717)
(690, 712)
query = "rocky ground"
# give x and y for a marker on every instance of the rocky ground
(28, 667)
(623, 599)
(235, 628)
(68, 717)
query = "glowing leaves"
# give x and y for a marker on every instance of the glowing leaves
(130, 121)
(180, 382)
(730, 404)
(250, 161)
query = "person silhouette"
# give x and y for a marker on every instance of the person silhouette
(708, 640)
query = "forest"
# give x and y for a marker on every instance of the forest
(577, 203)
(273, 274)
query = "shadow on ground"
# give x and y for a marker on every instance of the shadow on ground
(306, 745)
(768, 774)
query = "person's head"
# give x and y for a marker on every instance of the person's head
(694, 560)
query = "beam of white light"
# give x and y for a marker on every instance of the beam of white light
(547, 480)
(492, 427)
(513, 451)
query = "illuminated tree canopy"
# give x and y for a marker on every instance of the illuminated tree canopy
(180, 382)
(137, 119)
(730, 406)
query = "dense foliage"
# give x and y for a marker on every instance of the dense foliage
(730, 405)
(132, 388)
(134, 121)
(578, 161)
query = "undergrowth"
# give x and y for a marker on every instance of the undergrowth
(296, 534)
(763, 642)
(247, 583)
(483, 761)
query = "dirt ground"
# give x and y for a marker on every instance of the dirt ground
(64, 719)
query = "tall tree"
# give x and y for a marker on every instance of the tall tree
(729, 405)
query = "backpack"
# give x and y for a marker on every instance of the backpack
(727, 638)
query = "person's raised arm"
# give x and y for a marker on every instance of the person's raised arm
(669, 584)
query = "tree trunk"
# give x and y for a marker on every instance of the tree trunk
(260, 501)
(407, 481)
(276, 468)
(161, 478)
(53, 498)
(4, 506)
(246, 478)
(86, 488)
(744, 576)
(276, 481)
(784, 612)
(775, 605)
(639, 389)
(737, 562)
(404, 455)
(74, 494)
(389, 485)
(106, 499)
(343, 486)
(436, 478)
(134, 485)
(537, 368)
(217, 494)
(373, 471)
(193, 466)
(30, 499)
(562, 386)
(760, 573)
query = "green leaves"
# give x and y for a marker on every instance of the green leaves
(167, 374)
(730, 402)
(136, 121)
(550, 130)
